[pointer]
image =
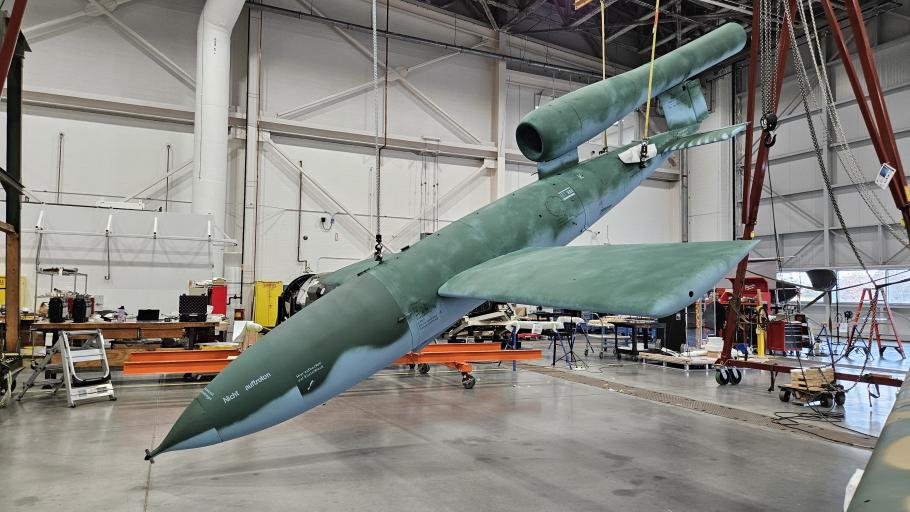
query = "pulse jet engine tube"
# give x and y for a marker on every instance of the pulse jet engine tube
(561, 126)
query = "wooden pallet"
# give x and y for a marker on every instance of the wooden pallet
(685, 363)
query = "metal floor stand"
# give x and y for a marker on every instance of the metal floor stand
(89, 348)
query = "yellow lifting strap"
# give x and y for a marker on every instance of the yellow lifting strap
(651, 68)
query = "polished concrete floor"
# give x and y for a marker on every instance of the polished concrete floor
(403, 441)
(862, 411)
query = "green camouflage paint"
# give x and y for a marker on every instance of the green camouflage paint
(379, 311)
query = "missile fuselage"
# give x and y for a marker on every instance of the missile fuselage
(392, 307)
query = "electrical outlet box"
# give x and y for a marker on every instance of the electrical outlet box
(884, 176)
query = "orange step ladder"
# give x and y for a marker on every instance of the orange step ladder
(876, 298)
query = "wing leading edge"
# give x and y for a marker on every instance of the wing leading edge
(648, 279)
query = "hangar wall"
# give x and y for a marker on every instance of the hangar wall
(124, 120)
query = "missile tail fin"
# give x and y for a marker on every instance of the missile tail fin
(701, 138)
(684, 105)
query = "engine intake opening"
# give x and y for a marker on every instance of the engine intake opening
(529, 141)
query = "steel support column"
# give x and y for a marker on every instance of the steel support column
(750, 105)
(14, 171)
(879, 127)
(898, 184)
(755, 187)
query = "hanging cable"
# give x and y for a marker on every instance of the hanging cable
(843, 152)
(603, 49)
(644, 138)
(377, 255)
(773, 216)
(806, 95)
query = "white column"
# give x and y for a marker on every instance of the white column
(210, 134)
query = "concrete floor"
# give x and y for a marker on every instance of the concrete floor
(752, 393)
(402, 441)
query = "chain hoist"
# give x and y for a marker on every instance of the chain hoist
(769, 16)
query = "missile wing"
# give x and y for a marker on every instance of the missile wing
(374, 312)
(649, 280)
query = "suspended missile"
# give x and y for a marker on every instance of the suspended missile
(511, 250)
(561, 126)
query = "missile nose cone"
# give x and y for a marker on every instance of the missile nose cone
(193, 429)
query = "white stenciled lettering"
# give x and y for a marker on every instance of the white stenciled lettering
(256, 381)
(312, 370)
(228, 398)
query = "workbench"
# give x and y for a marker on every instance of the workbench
(638, 325)
(128, 331)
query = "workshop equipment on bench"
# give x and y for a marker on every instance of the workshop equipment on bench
(74, 347)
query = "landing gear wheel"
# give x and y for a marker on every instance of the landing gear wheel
(721, 377)
(735, 375)
(412, 366)
(840, 397)
(423, 368)
(468, 381)
(784, 395)
(601, 355)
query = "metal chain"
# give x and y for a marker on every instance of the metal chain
(377, 255)
(806, 95)
(768, 34)
(844, 153)
(766, 50)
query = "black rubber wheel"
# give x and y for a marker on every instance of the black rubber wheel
(840, 397)
(187, 377)
(423, 368)
(735, 375)
(721, 377)
(784, 395)
(824, 400)
(113, 399)
(412, 366)
(468, 381)
(601, 355)
(586, 352)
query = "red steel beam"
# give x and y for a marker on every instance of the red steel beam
(180, 355)
(855, 84)
(871, 378)
(469, 355)
(877, 99)
(750, 103)
(184, 366)
(758, 179)
(10, 38)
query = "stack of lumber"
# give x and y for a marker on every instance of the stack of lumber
(812, 378)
